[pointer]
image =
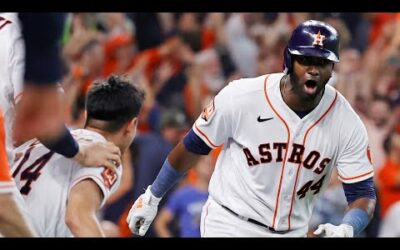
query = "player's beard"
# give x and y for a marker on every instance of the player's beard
(298, 86)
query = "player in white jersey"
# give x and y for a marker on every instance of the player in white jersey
(62, 196)
(13, 222)
(11, 71)
(282, 135)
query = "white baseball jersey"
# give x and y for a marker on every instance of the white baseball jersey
(274, 164)
(45, 179)
(12, 55)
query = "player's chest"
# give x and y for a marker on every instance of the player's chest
(265, 140)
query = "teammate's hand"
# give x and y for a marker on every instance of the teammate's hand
(329, 230)
(143, 212)
(98, 154)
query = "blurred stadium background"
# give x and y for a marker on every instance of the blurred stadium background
(182, 60)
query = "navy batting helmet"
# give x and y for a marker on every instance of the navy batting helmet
(312, 38)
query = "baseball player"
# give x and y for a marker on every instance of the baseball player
(282, 135)
(63, 197)
(13, 221)
(11, 72)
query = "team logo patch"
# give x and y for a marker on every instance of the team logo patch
(369, 154)
(208, 111)
(318, 39)
(109, 177)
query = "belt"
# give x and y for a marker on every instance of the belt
(254, 221)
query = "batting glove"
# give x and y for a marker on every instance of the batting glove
(143, 212)
(329, 230)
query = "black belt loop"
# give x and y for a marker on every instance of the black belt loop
(254, 221)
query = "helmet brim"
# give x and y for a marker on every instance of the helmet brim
(314, 51)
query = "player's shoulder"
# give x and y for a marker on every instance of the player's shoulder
(87, 135)
(343, 108)
(245, 86)
(341, 102)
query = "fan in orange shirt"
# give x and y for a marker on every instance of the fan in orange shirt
(378, 22)
(389, 175)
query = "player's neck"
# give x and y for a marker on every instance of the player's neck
(110, 137)
(293, 100)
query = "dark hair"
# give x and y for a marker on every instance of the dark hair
(114, 101)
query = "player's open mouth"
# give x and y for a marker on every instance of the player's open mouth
(310, 87)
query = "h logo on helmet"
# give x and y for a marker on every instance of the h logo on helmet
(318, 39)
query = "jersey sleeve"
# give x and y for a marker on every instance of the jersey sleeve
(107, 181)
(387, 176)
(355, 163)
(214, 125)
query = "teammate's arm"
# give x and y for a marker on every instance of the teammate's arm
(89, 154)
(12, 221)
(40, 108)
(95, 154)
(83, 202)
